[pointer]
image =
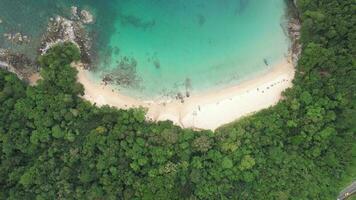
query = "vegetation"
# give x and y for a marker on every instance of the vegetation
(55, 145)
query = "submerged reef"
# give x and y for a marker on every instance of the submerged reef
(124, 74)
(201, 20)
(136, 22)
(241, 7)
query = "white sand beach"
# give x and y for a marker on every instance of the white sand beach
(208, 110)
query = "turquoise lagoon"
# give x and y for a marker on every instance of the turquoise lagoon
(162, 47)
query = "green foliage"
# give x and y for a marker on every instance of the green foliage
(55, 145)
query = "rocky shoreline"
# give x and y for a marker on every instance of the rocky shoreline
(59, 30)
(293, 30)
(17, 63)
(72, 30)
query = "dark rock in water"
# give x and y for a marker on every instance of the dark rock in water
(242, 4)
(116, 50)
(124, 74)
(157, 64)
(74, 13)
(187, 94)
(107, 79)
(179, 96)
(83, 16)
(265, 61)
(201, 20)
(136, 22)
(17, 38)
(86, 17)
(188, 84)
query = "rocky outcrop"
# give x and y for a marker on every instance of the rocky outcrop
(17, 38)
(83, 16)
(74, 13)
(61, 30)
(294, 32)
(17, 63)
(86, 17)
(294, 27)
(295, 2)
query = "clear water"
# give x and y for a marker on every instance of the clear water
(169, 45)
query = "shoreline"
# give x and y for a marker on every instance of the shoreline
(203, 110)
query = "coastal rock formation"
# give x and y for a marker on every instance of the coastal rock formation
(60, 30)
(17, 38)
(294, 27)
(86, 17)
(295, 2)
(17, 63)
(81, 15)
(74, 13)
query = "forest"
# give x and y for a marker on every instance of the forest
(55, 145)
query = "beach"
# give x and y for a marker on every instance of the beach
(200, 47)
(207, 110)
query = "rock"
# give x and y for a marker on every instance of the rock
(17, 38)
(295, 2)
(187, 94)
(294, 27)
(157, 64)
(7, 36)
(86, 17)
(17, 63)
(1, 21)
(74, 12)
(180, 97)
(61, 30)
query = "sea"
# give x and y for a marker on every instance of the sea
(160, 48)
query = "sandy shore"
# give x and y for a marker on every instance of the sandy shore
(207, 110)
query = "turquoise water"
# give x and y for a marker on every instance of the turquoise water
(161, 47)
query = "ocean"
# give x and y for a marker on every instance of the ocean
(159, 48)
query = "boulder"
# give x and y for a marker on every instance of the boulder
(17, 38)
(74, 12)
(86, 17)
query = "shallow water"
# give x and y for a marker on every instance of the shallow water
(161, 47)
